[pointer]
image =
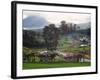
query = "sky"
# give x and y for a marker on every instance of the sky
(34, 18)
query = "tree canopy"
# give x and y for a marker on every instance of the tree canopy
(51, 36)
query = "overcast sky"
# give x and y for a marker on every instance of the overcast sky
(56, 17)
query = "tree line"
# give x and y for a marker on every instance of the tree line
(48, 37)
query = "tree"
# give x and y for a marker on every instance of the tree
(67, 27)
(64, 27)
(29, 39)
(51, 35)
(32, 39)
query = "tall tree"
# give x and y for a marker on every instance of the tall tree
(64, 27)
(51, 35)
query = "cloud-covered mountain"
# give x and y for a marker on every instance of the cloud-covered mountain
(34, 22)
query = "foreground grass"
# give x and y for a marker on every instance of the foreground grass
(54, 65)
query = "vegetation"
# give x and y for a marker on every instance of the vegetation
(51, 35)
(53, 65)
(39, 47)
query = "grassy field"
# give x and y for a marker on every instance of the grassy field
(54, 65)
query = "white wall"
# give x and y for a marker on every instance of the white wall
(5, 37)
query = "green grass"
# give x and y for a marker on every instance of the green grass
(54, 65)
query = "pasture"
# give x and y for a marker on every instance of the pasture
(54, 65)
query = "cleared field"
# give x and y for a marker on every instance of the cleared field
(54, 65)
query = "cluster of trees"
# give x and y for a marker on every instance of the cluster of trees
(67, 28)
(32, 39)
(48, 37)
(85, 32)
(31, 55)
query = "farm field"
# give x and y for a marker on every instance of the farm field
(54, 65)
